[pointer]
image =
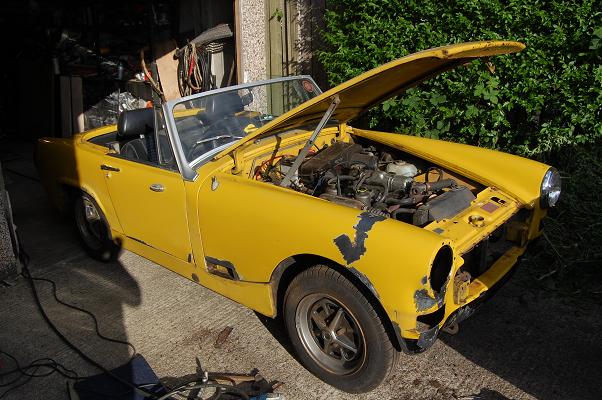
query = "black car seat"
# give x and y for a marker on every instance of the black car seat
(220, 106)
(136, 128)
(220, 110)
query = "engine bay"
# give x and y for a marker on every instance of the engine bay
(380, 180)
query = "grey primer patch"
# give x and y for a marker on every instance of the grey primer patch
(226, 264)
(438, 231)
(365, 281)
(195, 278)
(464, 313)
(352, 251)
(426, 339)
(423, 300)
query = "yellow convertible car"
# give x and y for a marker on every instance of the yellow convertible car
(367, 243)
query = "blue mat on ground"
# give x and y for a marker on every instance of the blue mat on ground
(103, 386)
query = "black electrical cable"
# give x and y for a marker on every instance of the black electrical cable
(52, 366)
(221, 389)
(27, 274)
(90, 314)
(15, 387)
(50, 363)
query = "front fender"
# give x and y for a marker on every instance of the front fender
(517, 176)
(253, 226)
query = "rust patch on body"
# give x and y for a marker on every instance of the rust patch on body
(427, 338)
(352, 251)
(489, 207)
(423, 300)
(223, 268)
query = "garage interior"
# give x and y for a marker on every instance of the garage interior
(83, 59)
(71, 66)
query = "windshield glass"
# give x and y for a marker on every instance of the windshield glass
(212, 121)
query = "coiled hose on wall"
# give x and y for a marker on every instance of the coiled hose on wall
(194, 70)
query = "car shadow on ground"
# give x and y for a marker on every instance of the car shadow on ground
(485, 394)
(54, 253)
(548, 346)
(277, 329)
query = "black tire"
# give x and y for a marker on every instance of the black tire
(93, 229)
(315, 298)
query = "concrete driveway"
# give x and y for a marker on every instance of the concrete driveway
(523, 344)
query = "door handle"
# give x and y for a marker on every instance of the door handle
(157, 187)
(106, 167)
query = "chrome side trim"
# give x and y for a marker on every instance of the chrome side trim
(187, 172)
(173, 102)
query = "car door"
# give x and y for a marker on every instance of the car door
(150, 202)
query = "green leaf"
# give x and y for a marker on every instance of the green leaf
(471, 111)
(526, 106)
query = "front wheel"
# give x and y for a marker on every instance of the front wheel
(93, 229)
(336, 332)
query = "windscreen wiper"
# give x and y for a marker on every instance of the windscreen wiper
(211, 139)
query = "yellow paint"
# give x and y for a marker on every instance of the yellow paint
(372, 87)
(463, 233)
(156, 218)
(227, 215)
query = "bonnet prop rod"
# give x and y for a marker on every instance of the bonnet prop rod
(286, 182)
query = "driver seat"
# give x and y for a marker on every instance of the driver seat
(220, 112)
(220, 106)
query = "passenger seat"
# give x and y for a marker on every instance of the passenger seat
(136, 128)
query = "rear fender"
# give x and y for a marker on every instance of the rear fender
(71, 162)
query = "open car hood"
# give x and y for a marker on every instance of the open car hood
(373, 87)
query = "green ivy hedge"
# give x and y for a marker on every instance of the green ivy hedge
(546, 97)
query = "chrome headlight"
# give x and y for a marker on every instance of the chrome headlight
(550, 188)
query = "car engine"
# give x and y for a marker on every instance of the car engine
(365, 178)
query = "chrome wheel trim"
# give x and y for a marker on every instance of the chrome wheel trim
(90, 210)
(89, 224)
(330, 334)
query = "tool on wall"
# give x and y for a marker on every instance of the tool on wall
(200, 62)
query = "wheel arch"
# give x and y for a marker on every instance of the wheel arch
(69, 193)
(71, 190)
(292, 266)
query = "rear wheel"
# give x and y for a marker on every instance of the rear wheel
(336, 332)
(93, 229)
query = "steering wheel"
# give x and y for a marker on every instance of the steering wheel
(228, 128)
(211, 144)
